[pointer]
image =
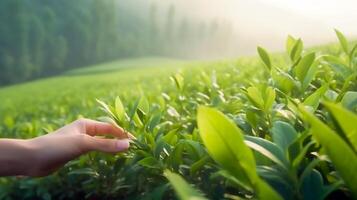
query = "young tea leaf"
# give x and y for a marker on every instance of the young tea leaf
(341, 155)
(296, 51)
(265, 57)
(119, 109)
(314, 99)
(343, 41)
(302, 68)
(225, 144)
(346, 120)
(290, 41)
(255, 97)
(183, 190)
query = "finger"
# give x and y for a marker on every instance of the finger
(108, 145)
(93, 128)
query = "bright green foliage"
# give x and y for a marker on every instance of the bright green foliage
(224, 142)
(342, 156)
(343, 41)
(262, 98)
(283, 135)
(290, 41)
(262, 147)
(296, 50)
(264, 55)
(182, 188)
(119, 110)
(179, 81)
(302, 68)
(347, 122)
(349, 101)
(314, 99)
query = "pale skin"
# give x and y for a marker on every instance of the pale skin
(43, 155)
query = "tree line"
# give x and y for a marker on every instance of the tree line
(40, 37)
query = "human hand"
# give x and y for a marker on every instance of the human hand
(53, 150)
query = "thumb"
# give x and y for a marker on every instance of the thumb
(108, 145)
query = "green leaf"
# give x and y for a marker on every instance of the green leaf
(119, 109)
(269, 97)
(84, 171)
(283, 80)
(198, 165)
(265, 192)
(337, 64)
(267, 149)
(255, 97)
(352, 53)
(150, 162)
(171, 137)
(347, 121)
(106, 108)
(9, 122)
(309, 76)
(297, 159)
(264, 56)
(183, 190)
(144, 105)
(225, 144)
(283, 135)
(314, 99)
(157, 193)
(302, 68)
(349, 101)
(232, 180)
(296, 51)
(179, 80)
(262, 98)
(290, 41)
(341, 155)
(343, 41)
(313, 187)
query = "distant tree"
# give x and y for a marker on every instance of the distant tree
(184, 30)
(170, 22)
(153, 28)
(40, 38)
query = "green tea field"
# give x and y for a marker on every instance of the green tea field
(272, 126)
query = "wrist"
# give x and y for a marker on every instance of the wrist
(16, 158)
(31, 157)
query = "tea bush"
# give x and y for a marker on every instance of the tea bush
(279, 128)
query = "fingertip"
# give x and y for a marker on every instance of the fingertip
(131, 136)
(122, 145)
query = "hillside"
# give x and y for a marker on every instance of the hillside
(267, 127)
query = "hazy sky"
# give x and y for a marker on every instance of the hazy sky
(267, 22)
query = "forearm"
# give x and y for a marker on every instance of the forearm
(16, 157)
(45, 154)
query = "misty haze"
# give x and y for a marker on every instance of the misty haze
(178, 99)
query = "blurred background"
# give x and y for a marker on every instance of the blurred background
(41, 37)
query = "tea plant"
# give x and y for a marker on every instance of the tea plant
(222, 131)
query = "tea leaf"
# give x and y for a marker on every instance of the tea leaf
(283, 134)
(334, 147)
(225, 143)
(296, 51)
(343, 41)
(183, 190)
(302, 68)
(119, 109)
(347, 121)
(264, 56)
